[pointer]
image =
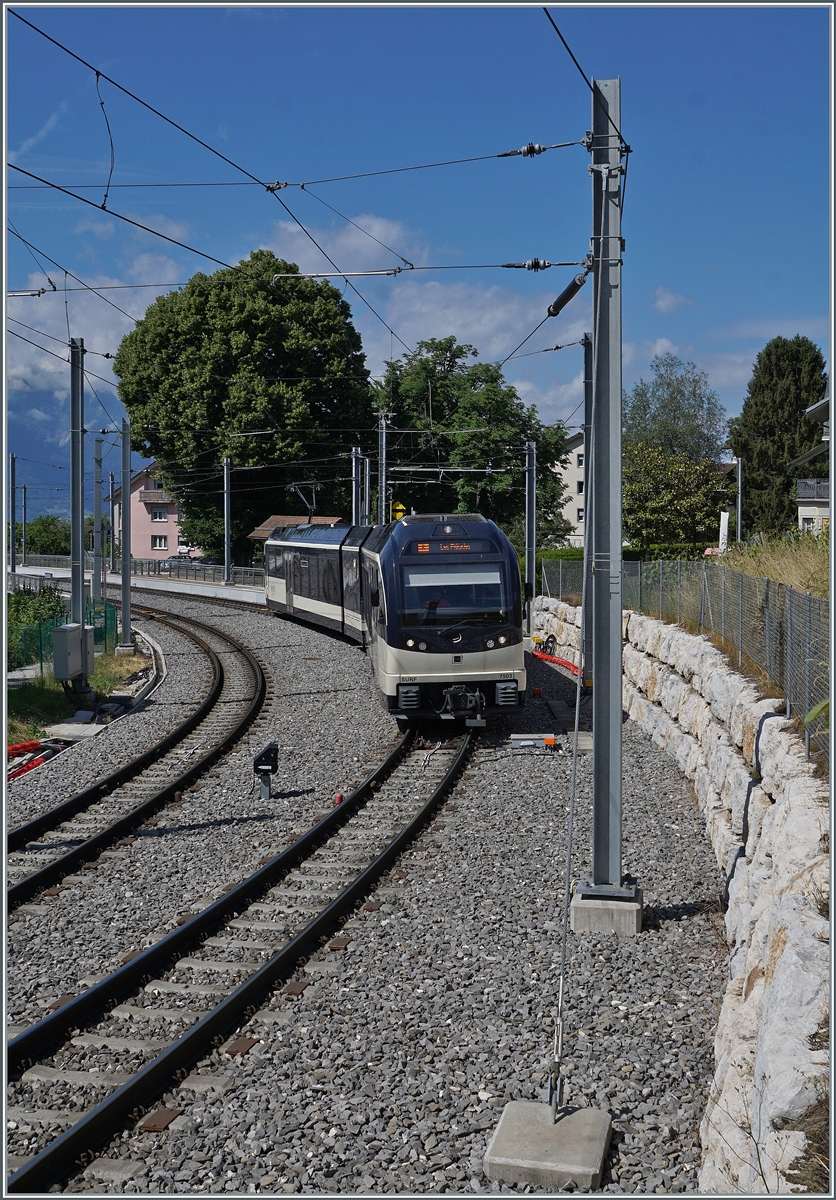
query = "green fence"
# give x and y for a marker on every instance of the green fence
(32, 645)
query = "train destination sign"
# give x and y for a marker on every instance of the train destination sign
(477, 545)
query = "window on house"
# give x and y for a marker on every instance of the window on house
(580, 487)
(159, 514)
(808, 524)
(580, 460)
(159, 541)
(580, 515)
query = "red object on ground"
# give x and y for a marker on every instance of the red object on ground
(35, 762)
(561, 662)
(338, 799)
(22, 748)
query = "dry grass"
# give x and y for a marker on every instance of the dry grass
(803, 562)
(38, 703)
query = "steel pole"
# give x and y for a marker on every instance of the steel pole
(125, 510)
(227, 520)
(530, 529)
(23, 527)
(606, 173)
(77, 481)
(112, 525)
(367, 490)
(739, 530)
(355, 485)
(12, 515)
(588, 366)
(97, 521)
(381, 471)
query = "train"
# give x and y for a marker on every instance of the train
(435, 599)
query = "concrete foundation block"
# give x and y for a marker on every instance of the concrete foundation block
(528, 1148)
(624, 917)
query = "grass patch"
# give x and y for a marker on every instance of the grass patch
(802, 561)
(38, 703)
(811, 1170)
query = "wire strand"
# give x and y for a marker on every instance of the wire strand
(75, 277)
(597, 98)
(525, 339)
(110, 136)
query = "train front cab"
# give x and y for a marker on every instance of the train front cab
(447, 633)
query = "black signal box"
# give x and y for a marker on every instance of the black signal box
(267, 762)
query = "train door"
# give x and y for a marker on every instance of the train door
(291, 575)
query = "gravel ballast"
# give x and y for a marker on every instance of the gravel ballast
(389, 1073)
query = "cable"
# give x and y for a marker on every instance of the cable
(309, 235)
(98, 397)
(587, 82)
(356, 226)
(75, 277)
(61, 341)
(110, 135)
(529, 353)
(128, 220)
(37, 347)
(527, 151)
(32, 256)
(525, 339)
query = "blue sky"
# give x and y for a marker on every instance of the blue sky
(727, 214)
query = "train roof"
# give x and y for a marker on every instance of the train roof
(307, 535)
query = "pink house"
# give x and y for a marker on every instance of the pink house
(155, 528)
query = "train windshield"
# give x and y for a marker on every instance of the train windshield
(447, 593)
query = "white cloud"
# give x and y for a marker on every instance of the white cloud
(669, 302)
(99, 229)
(47, 127)
(349, 247)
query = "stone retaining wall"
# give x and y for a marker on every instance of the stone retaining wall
(768, 819)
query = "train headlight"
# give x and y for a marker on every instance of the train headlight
(410, 642)
(502, 639)
(422, 645)
(490, 643)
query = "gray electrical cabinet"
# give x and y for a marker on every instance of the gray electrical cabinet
(73, 656)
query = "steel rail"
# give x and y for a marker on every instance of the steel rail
(17, 838)
(77, 1144)
(25, 888)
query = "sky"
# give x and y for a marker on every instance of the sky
(727, 217)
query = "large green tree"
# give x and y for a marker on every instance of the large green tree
(668, 498)
(788, 376)
(47, 534)
(267, 371)
(676, 411)
(450, 412)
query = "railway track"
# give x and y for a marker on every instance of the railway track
(43, 851)
(112, 1051)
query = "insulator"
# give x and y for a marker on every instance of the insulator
(537, 264)
(531, 149)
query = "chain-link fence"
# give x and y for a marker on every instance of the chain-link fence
(32, 645)
(779, 629)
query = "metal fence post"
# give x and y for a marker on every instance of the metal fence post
(678, 591)
(560, 583)
(723, 602)
(788, 646)
(766, 612)
(740, 638)
(807, 649)
(639, 600)
(660, 589)
(41, 650)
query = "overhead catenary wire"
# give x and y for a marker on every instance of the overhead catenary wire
(587, 81)
(525, 339)
(84, 286)
(110, 136)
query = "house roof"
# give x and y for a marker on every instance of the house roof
(262, 533)
(148, 469)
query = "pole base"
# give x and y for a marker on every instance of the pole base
(122, 650)
(528, 1148)
(607, 910)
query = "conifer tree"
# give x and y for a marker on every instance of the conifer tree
(772, 430)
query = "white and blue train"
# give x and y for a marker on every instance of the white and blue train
(435, 600)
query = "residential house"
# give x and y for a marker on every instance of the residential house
(813, 495)
(573, 478)
(155, 527)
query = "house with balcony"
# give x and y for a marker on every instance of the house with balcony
(573, 478)
(155, 525)
(813, 495)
